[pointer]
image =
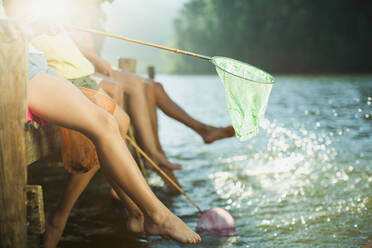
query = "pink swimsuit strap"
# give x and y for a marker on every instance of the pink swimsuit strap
(33, 118)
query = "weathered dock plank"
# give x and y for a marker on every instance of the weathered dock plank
(35, 215)
(43, 143)
(13, 105)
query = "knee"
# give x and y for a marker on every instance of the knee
(158, 89)
(114, 90)
(158, 86)
(125, 120)
(117, 89)
(152, 86)
(139, 84)
(119, 94)
(105, 125)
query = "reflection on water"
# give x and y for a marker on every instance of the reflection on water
(304, 181)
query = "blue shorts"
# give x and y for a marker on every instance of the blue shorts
(37, 63)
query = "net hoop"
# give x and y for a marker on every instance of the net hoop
(272, 79)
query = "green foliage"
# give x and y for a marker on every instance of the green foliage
(276, 35)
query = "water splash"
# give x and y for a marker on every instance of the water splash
(287, 174)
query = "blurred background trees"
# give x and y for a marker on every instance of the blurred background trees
(280, 36)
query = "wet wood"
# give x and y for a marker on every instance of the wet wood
(13, 105)
(151, 72)
(43, 143)
(128, 65)
(35, 215)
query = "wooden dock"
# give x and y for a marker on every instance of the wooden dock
(22, 213)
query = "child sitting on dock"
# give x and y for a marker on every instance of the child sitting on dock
(61, 54)
(88, 12)
(66, 60)
(57, 101)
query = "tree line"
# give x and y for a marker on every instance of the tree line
(280, 36)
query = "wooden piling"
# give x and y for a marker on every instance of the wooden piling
(128, 65)
(35, 215)
(151, 72)
(13, 109)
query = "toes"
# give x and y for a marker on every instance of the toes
(197, 239)
(194, 239)
(176, 167)
(173, 166)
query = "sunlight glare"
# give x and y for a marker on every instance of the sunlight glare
(51, 10)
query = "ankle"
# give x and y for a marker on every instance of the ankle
(158, 157)
(205, 130)
(157, 217)
(136, 214)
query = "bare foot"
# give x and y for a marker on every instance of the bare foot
(169, 225)
(161, 159)
(54, 227)
(211, 134)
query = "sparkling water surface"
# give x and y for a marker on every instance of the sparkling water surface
(304, 181)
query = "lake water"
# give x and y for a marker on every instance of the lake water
(304, 181)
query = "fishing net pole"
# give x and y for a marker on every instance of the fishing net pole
(247, 88)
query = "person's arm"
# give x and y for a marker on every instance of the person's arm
(85, 41)
(86, 45)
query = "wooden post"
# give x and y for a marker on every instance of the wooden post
(35, 215)
(13, 107)
(151, 72)
(128, 65)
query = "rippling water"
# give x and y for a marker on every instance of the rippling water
(304, 181)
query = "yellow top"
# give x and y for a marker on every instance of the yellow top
(63, 56)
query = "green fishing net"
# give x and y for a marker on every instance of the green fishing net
(247, 93)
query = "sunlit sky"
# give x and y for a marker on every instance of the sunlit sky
(140, 19)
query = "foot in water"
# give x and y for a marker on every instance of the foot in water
(169, 173)
(54, 226)
(161, 160)
(170, 226)
(212, 134)
(172, 176)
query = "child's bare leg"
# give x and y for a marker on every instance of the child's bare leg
(59, 102)
(114, 90)
(122, 117)
(56, 220)
(76, 183)
(136, 218)
(140, 116)
(151, 103)
(135, 222)
(170, 108)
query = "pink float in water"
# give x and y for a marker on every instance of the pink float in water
(217, 221)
